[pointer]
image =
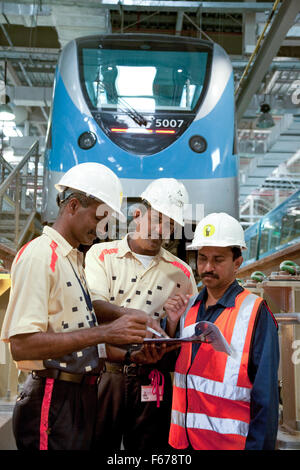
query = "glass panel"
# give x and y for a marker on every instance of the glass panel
(144, 80)
(291, 222)
(251, 238)
(270, 233)
(252, 249)
(264, 238)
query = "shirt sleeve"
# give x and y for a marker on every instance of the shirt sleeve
(263, 372)
(96, 275)
(27, 310)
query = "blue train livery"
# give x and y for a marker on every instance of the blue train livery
(147, 107)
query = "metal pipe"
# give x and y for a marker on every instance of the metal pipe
(261, 37)
(8, 180)
(287, 318)
(29, 221)
(191, 6)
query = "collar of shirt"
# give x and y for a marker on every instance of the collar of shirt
(63, 244)
(228, 298)
(124, 249)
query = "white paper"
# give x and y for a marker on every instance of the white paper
(214, 336)
(201, 332)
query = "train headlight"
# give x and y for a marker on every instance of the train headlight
(87, 140)
(198, 144)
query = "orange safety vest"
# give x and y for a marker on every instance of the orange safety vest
(211, 396)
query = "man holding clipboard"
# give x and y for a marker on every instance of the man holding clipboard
(224, 400)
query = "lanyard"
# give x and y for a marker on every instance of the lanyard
(86, 294)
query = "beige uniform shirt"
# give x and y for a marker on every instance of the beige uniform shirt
(115, 274)
(46, 296)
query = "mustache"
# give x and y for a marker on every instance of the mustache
(209, 274)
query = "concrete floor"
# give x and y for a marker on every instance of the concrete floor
(285, 441)
(7, 441)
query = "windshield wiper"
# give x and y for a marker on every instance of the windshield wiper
(126, 107)
(132, 112)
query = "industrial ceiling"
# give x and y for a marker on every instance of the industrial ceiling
(261, 37)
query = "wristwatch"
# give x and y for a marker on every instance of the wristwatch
(127, 358)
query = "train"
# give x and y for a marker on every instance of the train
(276, 233)
(146, 106)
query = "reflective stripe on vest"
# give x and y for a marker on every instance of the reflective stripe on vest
(201, 421)
(211, 387)
(238, 339)
(217, 387)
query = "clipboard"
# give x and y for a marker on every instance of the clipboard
(201, 332)
(195, 339)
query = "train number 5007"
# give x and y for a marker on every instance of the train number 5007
(168, 122)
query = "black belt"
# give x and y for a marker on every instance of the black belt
(66, 376)
(133, 369)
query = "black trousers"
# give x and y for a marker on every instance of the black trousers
(121, 416)
(55, 415)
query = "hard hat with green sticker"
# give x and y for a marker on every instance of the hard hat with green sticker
(208, 230)
(218, 229)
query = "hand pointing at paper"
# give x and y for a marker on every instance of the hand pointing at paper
(174, 308)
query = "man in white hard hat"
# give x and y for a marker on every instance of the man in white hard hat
(50, 322)
(223, 402)
(138, 272)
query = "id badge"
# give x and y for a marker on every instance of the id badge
(147, 394)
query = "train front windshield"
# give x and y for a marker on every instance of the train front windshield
(144, 79)
(144, 88)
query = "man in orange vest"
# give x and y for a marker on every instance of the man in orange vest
(223, 402)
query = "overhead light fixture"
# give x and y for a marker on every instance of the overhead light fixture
(9, 129)
(265, 120)
(6, 112)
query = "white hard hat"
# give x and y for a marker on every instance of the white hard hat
(218, 229)
(97, 180)
(168, 196)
